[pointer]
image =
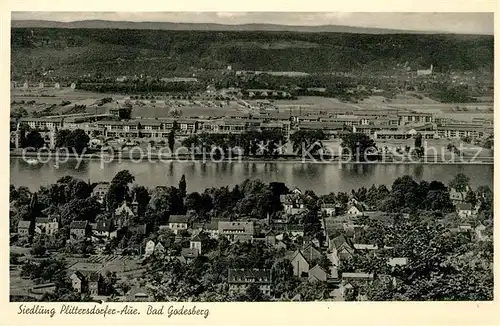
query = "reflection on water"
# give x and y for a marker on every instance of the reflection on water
(321, 178)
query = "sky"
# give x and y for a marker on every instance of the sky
(467, 23)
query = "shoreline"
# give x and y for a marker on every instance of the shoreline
(287, 158)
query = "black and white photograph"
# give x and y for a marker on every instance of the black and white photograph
(250, 157)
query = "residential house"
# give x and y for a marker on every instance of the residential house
(150, 247)
(79, 230)
(93, 284)
(363, 277)
(78, 282)
(464, 210)
(342, 247)
(292, 204)
(300, 264)
(458, 131)
(397, 261)
(100, 191)
(355, 210)
(328, 209)
(361, 246)
(105, 228)
(415, 117)
(480, 232)
(317, 274)
(138, 294)
(458, 197)
(142, 229)
(212, 228)
(237, 231)
(295, 230)
(178, 223)
(280, 245)
(25, 228)
(189, 253)
(240, 279)
(46, 225)
(270, 238)
(159, 249)
(124, 216)
(195, 243)
(303, 259)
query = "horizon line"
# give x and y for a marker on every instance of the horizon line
(423, 31)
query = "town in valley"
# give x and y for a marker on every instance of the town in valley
(267, 96)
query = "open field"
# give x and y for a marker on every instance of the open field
(18, 285)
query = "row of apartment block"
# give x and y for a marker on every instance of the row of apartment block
(381, 127)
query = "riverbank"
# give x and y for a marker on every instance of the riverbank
(205, 158)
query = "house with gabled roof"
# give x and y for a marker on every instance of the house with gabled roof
(105, 228)
(100, 190)
(46, 225)
(329, 209)
(480, 232)
(211, 228)
(464, 210)
(25, 228)
(78, 281)
(292, 204)
(79, 230)
(458, 197)
(159, 249)
(189, 253)
(342, 247)
(177, 223)
(150, 247)
(124, 215)
(317, 274)
(196, 243)
(355, 210)
(302, 260)
(237, 231)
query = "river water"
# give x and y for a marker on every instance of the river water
(321, 178)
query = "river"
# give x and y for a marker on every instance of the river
(321, 178)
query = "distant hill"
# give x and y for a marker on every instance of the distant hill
(101, 24)
(118, 51)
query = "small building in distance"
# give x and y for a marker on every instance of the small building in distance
(25, 229)
(240, 279)
(355, 210)
(46, 225)
(237, 231)
(464, 210)
(178, 223)
(79, 230)
(100, 190)
(195, 243)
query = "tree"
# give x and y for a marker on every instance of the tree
(418, 140)
(471, 198)
(119, 189)
(253, 293)
(38, 249)
(141, 195)
(171, 140)
(77, 140)
(460, 182)
(358, 146)
(307, 140)
(182, 186)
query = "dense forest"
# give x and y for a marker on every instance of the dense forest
(73, 52)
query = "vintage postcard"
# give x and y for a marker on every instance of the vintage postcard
(196, 166)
